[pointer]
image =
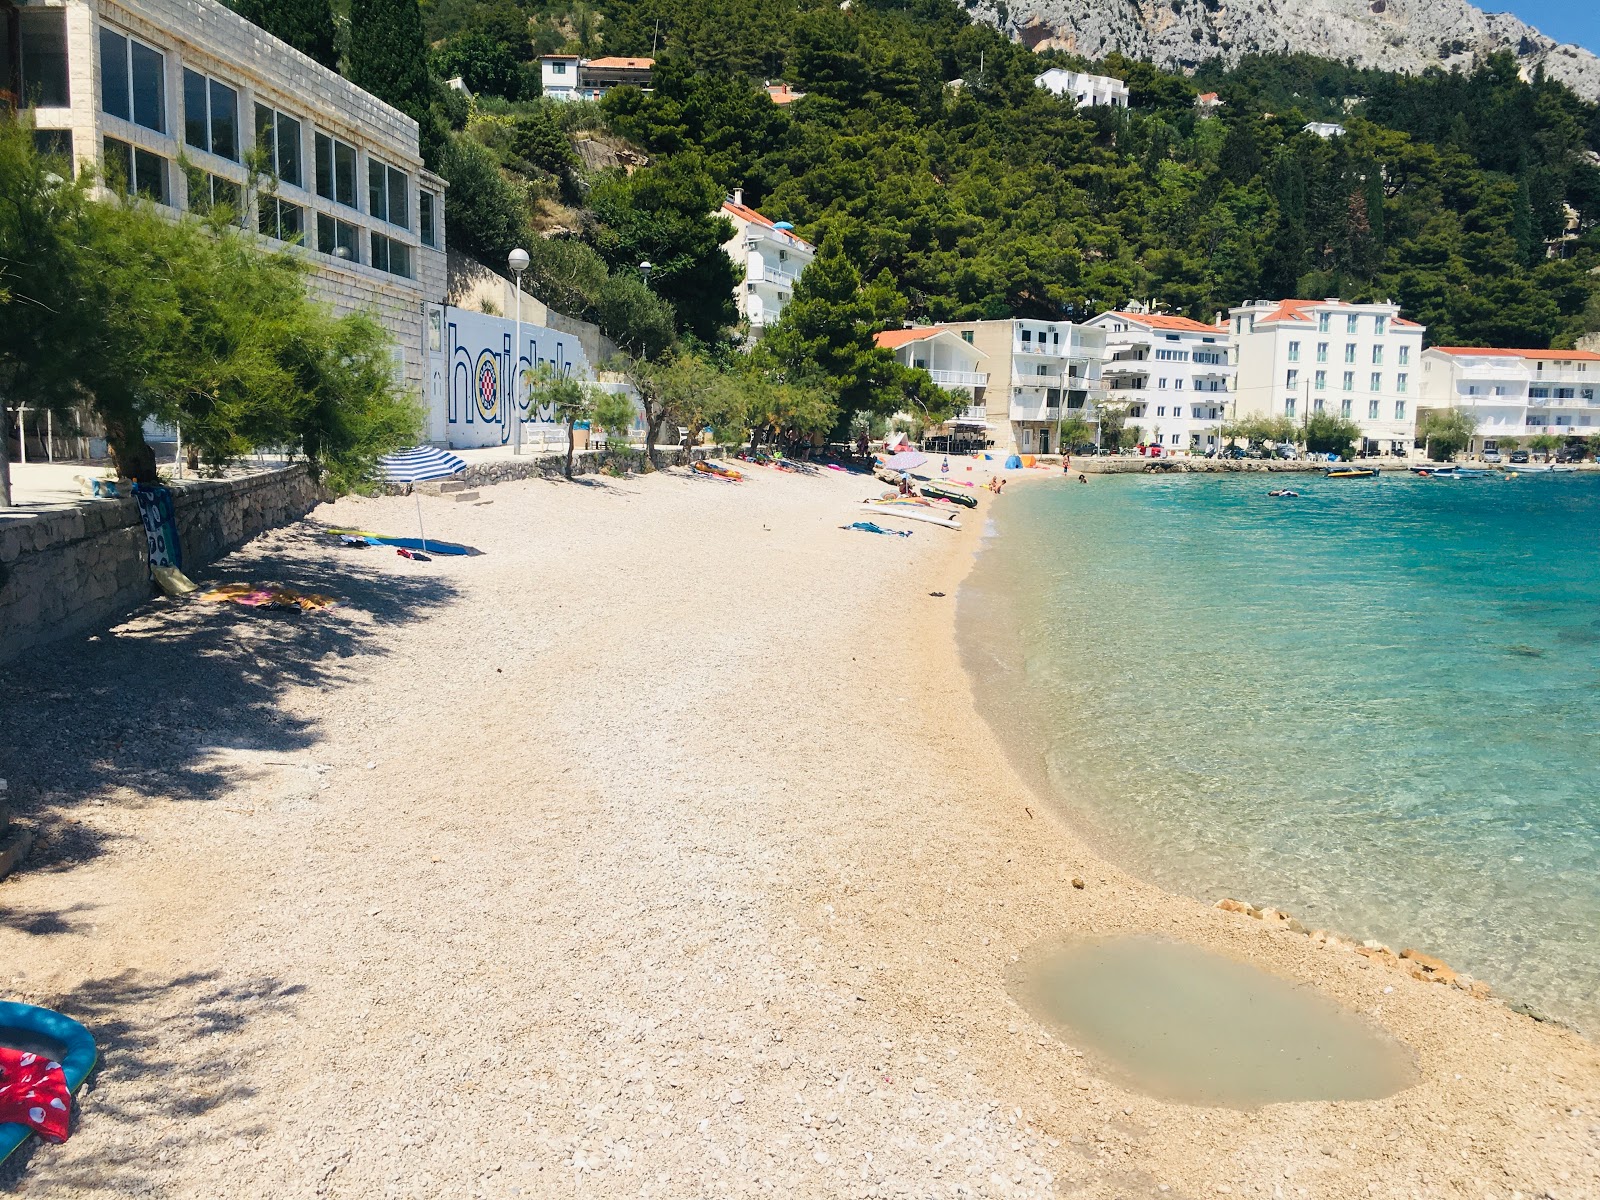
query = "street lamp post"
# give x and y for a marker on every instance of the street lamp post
(644, 271)
(517, 260)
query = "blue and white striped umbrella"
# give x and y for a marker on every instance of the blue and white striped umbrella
(419, 463)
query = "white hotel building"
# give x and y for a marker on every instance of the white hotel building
(772, 256)
(129, 86)
(1362, 362)
(1515, 393)
(1172, 376)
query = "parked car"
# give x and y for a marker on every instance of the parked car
(1519, 456)
(1491, 456)
(1572, 454)
(1285, 451)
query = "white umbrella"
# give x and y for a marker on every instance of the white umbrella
(906, 460)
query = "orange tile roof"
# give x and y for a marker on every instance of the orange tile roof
(613, 63)
(1163, 321)
(1204, 96)
(1502, 352)
(893, 339)
(782, 93)
(745, 213)
(1289, 310)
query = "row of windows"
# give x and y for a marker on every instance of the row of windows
(133, 87)
(1172, 356)
(1352, 324)
(1350, 353)
(139, 171)
(1402, 381)
(1346, 408)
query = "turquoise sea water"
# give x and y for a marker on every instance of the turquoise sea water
(1376, 706)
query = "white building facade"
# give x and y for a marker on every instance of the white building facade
(573, 77)
(1515, 393)
(130, 86)
(1089, 91)
(954, 364)
(772, 256)
(1360, 362)
(1039, 374)
(1172, 377)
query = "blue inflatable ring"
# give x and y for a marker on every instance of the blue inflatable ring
(44, 1031)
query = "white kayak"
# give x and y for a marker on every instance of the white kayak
(913, 512)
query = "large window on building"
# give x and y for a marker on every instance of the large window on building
(133, 169)
(53, 143)
(210, 115)
(277, 218)
(388, 189)
(390, 255)
(43, 32)
(133, 80)
(278, 138)
(336, 171)
(427, 217)
(208, 192)
(338, 238)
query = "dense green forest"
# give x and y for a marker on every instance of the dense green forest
(1471, 199)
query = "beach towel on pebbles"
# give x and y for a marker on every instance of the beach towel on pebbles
(33, 1092)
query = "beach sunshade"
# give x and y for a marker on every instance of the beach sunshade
(418, 464)
(1014, 463)
(906, 460)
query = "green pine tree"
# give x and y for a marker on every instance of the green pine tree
(389, 58)
(307, 25)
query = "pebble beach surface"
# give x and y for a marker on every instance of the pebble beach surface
(656, 851)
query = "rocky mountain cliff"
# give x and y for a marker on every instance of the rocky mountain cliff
(1396, 35)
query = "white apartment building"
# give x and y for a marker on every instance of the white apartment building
(1039, 372)
(1361, 362)
(1515, 393)
(1088, 90)
(129, 86)
(772, 256)
(573, 77)
(1172, 376)
(953, 362)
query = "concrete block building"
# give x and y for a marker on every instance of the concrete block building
(1089, 91)
(573, 77)
(129, 87)
(1515, 393)
(1361, 362)
(1172, 376)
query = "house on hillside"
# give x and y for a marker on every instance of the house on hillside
(1515, 393)
(572, 77)
(1207, 103)
(1172, 376)
(782, 94)
(1323, 129)
(1088, 90)
(772, 256)
(137, 89)
(1297, 358)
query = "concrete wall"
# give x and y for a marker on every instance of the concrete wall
(75, 567)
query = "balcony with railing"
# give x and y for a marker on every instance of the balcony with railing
(1041, 410)
(783, 279)
(960, 378)
(1051, 379)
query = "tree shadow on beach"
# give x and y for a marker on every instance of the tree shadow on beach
(133, 714)
(149, 1086)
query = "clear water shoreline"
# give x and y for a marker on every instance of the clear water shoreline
(1370, 707)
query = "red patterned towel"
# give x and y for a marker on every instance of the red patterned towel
(33, 1092)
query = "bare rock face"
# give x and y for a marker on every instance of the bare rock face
(1394, 35)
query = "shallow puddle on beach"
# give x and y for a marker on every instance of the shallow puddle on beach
(1181, 1023)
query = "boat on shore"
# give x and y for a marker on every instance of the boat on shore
(1431, 471)
(940, 491)
(1351, 473)
(912, 512)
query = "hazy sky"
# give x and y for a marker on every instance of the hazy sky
(1565, 20)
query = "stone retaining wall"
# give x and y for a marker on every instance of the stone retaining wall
(73, 567)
